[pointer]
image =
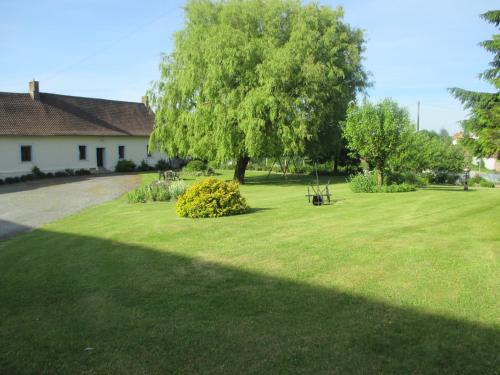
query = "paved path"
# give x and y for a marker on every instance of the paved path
(24, 206)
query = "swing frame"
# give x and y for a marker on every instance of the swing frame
(320, 195)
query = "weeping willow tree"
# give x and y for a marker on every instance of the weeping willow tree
(482, 128)
(256, 78)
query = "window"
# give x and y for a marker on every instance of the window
(82, 152)
(121, 152)
(25, 153)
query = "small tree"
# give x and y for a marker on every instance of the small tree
(253, 78)
(377, 131)
(428, 150)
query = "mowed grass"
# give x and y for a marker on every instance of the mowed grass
(403, 283)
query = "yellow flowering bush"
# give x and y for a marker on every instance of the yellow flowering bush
(211, 198)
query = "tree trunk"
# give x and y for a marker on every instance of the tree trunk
(381, 175)
(241, 166)
(336, 164)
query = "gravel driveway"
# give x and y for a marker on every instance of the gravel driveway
(24, 206)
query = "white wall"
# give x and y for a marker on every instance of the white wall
(489, 163)
(53, 153)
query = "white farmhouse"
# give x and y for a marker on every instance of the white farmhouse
(56, 132)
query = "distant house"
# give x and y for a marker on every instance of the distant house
(55, 132)
(492, 163)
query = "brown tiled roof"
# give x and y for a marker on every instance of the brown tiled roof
(54, 114)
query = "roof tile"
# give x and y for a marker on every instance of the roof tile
(56, 114)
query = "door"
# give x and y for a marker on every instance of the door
(100, 156)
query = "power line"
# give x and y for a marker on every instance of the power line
(109, 46)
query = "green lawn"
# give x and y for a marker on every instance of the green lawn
(404, 283)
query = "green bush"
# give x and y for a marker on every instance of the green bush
(138, 195)
(26, 177)
(214, 164)
(211, 198)
(476, 180)
(410, 178)
(444, 177)
(177, 188)
(125, 166)
(195, 166)
(154, 192)
(481, 181)
(396, 188)
(365, 182)
(37, 172)
(486, 183)
(144, 167)
(162, 165)
(82, 172)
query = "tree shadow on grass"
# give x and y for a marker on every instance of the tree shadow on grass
(9, 229)
(253, 210)
(447, 188)
(40, 183)
(152, 312)
(53, 181)
(278, 179)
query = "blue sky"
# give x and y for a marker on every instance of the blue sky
(111, 48)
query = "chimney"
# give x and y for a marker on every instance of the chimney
(145, 101)
(33, 89)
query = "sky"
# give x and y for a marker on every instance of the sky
(415, 49)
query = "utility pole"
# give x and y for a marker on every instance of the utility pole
(418, 115)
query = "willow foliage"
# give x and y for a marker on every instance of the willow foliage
(253, 78)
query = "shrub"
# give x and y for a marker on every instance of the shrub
(177, 188)
(486, 183)
(211, 198)
(476, 180)
(138, 195)
(12, 180)
(195, 166)
(365, 182)
(125, 166)
(69, 172)
(157, 191)
(162, 165)
(82, 172)
(27, 177)
(144, 166)
(37, 172)
(1, 181)
(397, 188)
(214, 164)
(410, 178)
(50, 174)
(443, 177)
(60, 174)
(481, 181)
